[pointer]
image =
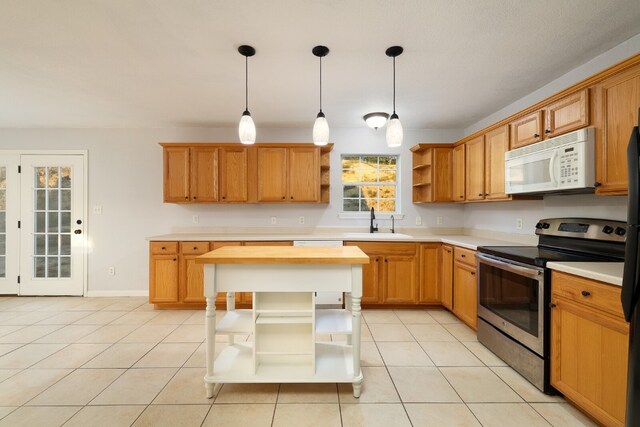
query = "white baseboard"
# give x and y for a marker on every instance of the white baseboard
(118, 293)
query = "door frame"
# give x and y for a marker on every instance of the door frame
(85, 208)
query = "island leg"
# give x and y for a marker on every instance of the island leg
(231, 306)
(355, 317)
(210, 325)
(347, 304)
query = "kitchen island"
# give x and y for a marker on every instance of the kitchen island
(283, 320)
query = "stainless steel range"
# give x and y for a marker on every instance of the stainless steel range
(514, 288)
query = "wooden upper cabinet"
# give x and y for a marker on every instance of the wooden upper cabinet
(204, 174)
(234, 179)
(567, 114)
(176, 174)
(475, 169)
(618, 98)
(526, 130)
(432, 173)
(459, 173)
(496, 144)
(304, 174)
(272, 174)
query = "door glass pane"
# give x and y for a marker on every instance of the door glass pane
(3, 220)
(52, 227)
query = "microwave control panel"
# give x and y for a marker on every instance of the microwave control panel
(569, 165)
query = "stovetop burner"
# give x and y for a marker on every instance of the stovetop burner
(568, 239)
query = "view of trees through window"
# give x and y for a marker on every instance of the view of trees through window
(369, 182)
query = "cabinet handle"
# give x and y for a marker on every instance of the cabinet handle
(585, 293)
(552, 305)
(223, 197)
(462, 197)
(291, 197)
(473, 273)
(195, 247)
(194, 197)
(283, 197)
(597, 184)
(186, 197)
(480, 194)
(536, 135)
(463, 255)
(486, 194)
(547, 131)
(174, 259)
(163, 248)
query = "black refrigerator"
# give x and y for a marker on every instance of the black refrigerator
(631, 280)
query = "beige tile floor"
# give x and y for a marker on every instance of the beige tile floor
(118, 362)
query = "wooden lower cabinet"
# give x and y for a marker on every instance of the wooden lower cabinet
(163, 278)
(446, 276)
(430, 290)
(400, 273)
(192, 274)
(465, 286)
(589, 346)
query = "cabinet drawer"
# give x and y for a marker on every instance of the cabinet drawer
(589, 293)
(465, 256)
(194, 247)
(162, 248)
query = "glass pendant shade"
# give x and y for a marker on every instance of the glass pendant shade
(321, 130)
(247, 129)
(394, 132)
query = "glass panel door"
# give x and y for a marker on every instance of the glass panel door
(53, 225)
(9, 233)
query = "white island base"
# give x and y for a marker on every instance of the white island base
(284, 321)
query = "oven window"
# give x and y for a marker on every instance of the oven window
(530, 173)
(513, 297)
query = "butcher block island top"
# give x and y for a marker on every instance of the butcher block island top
(284, 255)
(284, 320)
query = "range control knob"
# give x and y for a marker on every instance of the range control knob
(620, 231)
(607, 229)
(545, 225)
(539, 225)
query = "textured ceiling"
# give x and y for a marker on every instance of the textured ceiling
(165, 63)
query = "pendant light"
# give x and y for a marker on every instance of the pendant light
(246, 129)
(394, 128)
(321, 126)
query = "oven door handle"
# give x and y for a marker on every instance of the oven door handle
(533, 273)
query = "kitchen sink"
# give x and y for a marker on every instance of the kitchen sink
(374, 236)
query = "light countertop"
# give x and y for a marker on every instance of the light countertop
(608, 272)
(465, 241)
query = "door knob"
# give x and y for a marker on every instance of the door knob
(77, 231)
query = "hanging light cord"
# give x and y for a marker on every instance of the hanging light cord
(321, 84)
(246, 83)
(394, 85)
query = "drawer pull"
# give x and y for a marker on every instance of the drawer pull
(585, 293)
(552, 305)
(463, 255)
(195, 247)
(163, 248)
(473, 273)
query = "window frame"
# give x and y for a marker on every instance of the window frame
(397, 214)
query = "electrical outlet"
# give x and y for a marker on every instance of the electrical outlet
(97, 210)
(196, 219)
(112, 271)
(418, 220)
(519, 223)
(439, 220)
(274, 220)
(301, 220)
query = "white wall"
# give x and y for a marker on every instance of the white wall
(125, 178)
(501, 216)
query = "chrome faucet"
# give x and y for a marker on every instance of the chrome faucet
(372, 228)
(393, 224)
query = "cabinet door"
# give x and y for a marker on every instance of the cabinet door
(465, 294)
(442, 175)
(272, 174)
(234, 165)
(371, 280)
(446, 276)
(400, 273)
(221, 298)
(459, 173)
(176, 174)
(192, 274)
(475, 169)
(304, 174)
(567, 114)
(204, 174)
(526, 130)
(430, 260)
(589, 353)
(496, 144)
(618, 99)
(163, 278)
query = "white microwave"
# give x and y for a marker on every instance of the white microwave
(563, 163)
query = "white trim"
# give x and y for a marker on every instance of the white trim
(367, 215)
(117, 293)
